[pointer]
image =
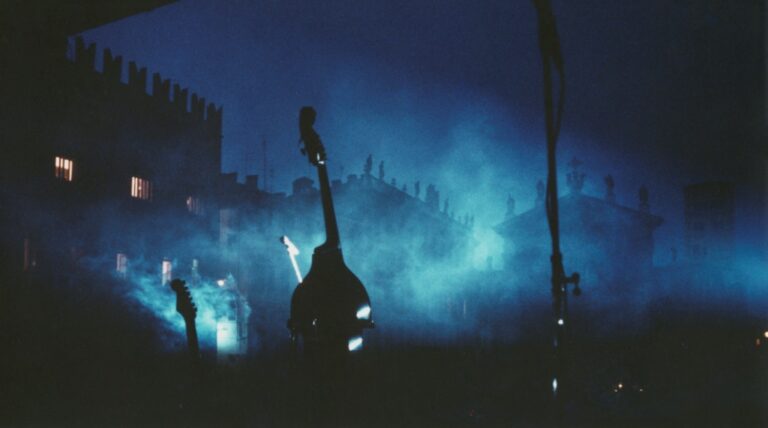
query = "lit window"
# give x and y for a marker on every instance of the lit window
(194, 206)
(63, 168)
(122, 264)
(167, 271)
(141, 188)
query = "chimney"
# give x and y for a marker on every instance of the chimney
(642, 196)
(85, 57)
(180, 97)
(161, 88)
(610, 197)
(252, 182)
(137, 78)
(510, 207)
(113, 66)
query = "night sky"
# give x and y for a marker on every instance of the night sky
(663, 93)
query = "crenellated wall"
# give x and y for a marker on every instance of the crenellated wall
(209, 114)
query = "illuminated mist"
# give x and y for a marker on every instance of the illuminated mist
(460, 108)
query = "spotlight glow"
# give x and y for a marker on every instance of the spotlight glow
(226, 339)
(293, 251)
(364, 312)
(355, 344)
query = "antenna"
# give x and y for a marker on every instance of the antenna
(264, 163)
(248, 159)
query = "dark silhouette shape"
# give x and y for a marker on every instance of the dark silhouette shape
(432, 198)
(187, 309)
(381, 170)
(330, 308)
(510, 206)
(642, 195)
(368, 167)
(575, 178)
(417, 189)
(609, 185)
(551, 56)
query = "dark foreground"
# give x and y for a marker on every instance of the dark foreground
(63, 366)
(407, 387)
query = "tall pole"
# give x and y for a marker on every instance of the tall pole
(549, 46)
(264, 162)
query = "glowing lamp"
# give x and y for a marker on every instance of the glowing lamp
(364, 312)
(355, 344)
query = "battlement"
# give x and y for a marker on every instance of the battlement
(112, 70)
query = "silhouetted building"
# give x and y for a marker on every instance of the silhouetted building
(387, 236)
(709, 209)
(609, 245)
(604, 241)
(100, 171)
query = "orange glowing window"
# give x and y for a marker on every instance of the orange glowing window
(141, 188)
(63, 168)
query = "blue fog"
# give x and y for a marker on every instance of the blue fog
(458, 106)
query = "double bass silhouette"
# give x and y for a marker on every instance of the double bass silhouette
(330, 308)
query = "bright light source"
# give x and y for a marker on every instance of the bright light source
(364, 312)
(620, 385)
(122, 264)
(765, 335)
(141, 188)
(293, 251)
(554, 385)
(560, 322)
(355, 344)
(226, 339)
(167, 271)
(221, 282)
(63, 168)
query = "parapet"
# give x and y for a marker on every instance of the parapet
(85, 57)
(137, 78)
(113, 66)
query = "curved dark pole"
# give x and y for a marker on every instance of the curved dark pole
(551, 56)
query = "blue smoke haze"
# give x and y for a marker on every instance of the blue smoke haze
(451, 96)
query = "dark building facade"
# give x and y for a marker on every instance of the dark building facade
(105, 176)
(93, 144)
(609, 245)
(709, 221)
(392, 240)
